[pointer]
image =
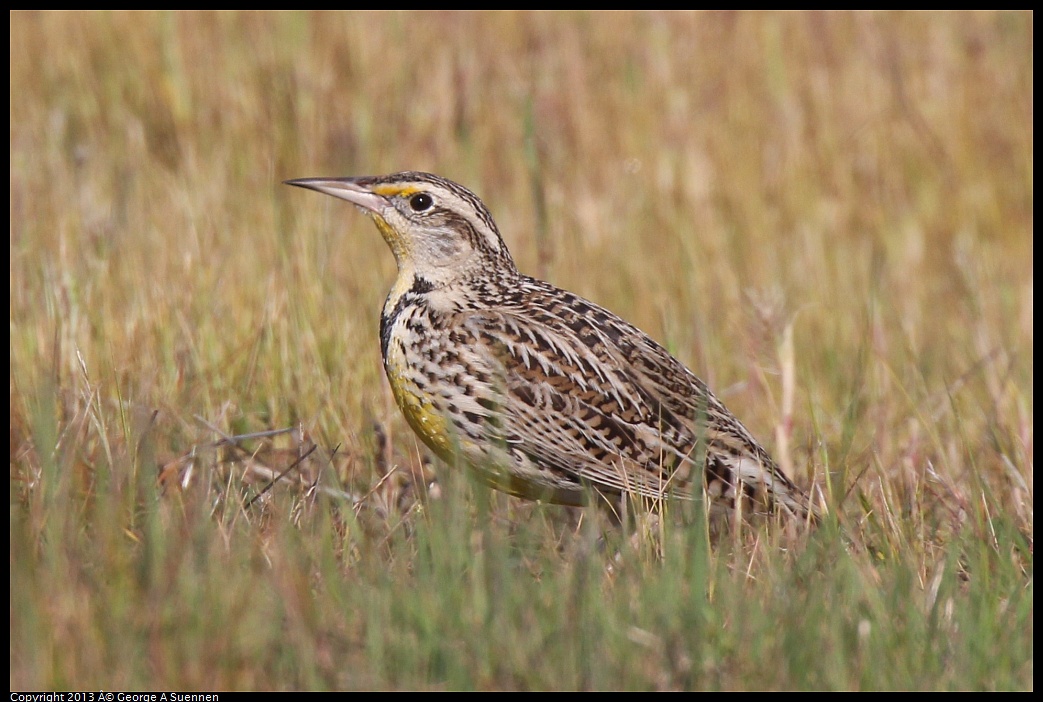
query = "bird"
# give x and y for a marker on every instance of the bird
(544, 394)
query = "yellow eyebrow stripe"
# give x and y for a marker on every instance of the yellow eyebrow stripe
(393, 190)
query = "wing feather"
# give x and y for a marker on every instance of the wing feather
(581, 396)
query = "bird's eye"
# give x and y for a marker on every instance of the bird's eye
(420, 202)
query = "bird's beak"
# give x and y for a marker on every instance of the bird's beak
(348, 189)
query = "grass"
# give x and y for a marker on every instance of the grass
(827, 216)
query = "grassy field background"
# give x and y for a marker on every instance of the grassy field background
(828, 217)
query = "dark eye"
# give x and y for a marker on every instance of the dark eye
(420, 202)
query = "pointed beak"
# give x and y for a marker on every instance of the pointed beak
(348, 189)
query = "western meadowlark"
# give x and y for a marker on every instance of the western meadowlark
(545, 394)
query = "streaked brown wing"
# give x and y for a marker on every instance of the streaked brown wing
(605, 404)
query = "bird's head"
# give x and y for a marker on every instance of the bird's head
(437, 229)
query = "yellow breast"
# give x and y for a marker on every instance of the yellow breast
(421, 414)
